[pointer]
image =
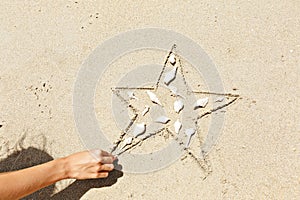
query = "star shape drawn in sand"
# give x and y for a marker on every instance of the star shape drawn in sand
(183, 124)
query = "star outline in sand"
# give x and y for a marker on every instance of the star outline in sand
(154, 88)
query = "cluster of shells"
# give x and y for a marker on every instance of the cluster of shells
(178, 106)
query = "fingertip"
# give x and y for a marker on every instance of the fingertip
(104, 153)
(112, 166)
(108, 167)
(103, 175)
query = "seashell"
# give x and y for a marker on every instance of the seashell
(147, 108)
(131, 95)
(139, 129)
(162, 120)
(170, 76)
(127, 141)
(172, 59)
(178, 106)
(219, 99)
(173, 90)
(153, 97)
(201, 103)
(189, 133)
(177, 126)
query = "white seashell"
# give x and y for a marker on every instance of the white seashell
(147, 108)
(173, 89)
(139, 129)
(189, 133)
(178, 106)
(170, 76)
(131, 95)
(153, 97)
(127, 141)
(162, 120)
(219, 99)
(172, 59)
(201, 103)
(177, 126)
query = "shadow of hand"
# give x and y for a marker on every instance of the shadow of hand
(31, 156)
(102, 182)
(78, 188)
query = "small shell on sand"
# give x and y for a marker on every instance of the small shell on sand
(219, 99)
(174, 92)
(172, 59)
(170, 76)
(147, 108)
(162, 120)
(139, 129)
(177, 126)
(127, 141)
(173, 89)
(131, 95)
(153, 97)
(189, 133)
(178, 106)
(201, 103)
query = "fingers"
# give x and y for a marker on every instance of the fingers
(105, 153)
(101, 175)
(106, 160)
(103, 156)
(100, 170)
(89, 164)
(106, 167)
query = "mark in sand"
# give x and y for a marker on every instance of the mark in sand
(128, 140)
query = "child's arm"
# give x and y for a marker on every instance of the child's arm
(83, 165)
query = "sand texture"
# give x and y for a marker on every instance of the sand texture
(255, 46)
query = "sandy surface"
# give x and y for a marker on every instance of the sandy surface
(255, 46)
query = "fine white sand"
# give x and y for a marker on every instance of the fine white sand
(254, 44)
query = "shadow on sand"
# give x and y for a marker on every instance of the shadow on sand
(32, 156)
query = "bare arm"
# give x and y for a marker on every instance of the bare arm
(83, 165)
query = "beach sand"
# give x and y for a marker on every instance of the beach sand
(254, 45)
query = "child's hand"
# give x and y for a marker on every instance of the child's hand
(89, 164)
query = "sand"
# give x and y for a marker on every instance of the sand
(255, 46)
